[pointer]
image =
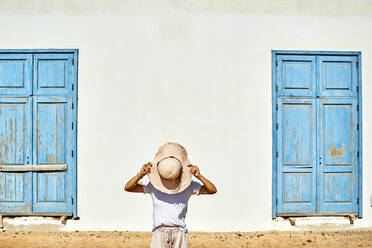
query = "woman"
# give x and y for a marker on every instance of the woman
(170, 186)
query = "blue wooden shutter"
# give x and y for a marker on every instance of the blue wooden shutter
(296, 156)
(37, 93)
(53, 140)
(15, 150)
(338, 160)
(317, 134)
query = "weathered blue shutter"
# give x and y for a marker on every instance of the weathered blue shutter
(37, 93)
(338, 135)
(15, 150)
(53, 145)
(296, 156)
(53, 139)
(317, 134)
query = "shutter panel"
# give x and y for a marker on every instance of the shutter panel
(15, 150)
(338, 161)
(53, 74)
(296, 160)
(338, 76)
(15, 74)
(296, 75)
(52, 145)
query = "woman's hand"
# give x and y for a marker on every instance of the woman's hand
(145, 169)
(207, 187)
(194, 170)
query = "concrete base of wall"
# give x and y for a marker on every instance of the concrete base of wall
(283, 224)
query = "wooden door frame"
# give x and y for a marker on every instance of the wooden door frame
(274, 54)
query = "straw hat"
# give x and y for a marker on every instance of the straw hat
(169, 171)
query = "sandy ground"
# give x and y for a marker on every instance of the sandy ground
(33, 239)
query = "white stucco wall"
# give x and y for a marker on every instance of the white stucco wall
(193, 72)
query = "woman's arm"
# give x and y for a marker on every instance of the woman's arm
(207, 187)
(133, 185)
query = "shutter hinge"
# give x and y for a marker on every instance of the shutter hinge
(358, 154)
(277, 107)
(72, 106)
(358, 126)
(276, 63)
(276, 154)
(72, 153)
(357, 88)
(276, 88)
(277, 126)
(358, 200)
(357, 64)
(357, 107)
(73, 87)
(72, 125)
(276, 201)
(73, 62)
(72, 200)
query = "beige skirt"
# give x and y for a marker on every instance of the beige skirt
(169, 237)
